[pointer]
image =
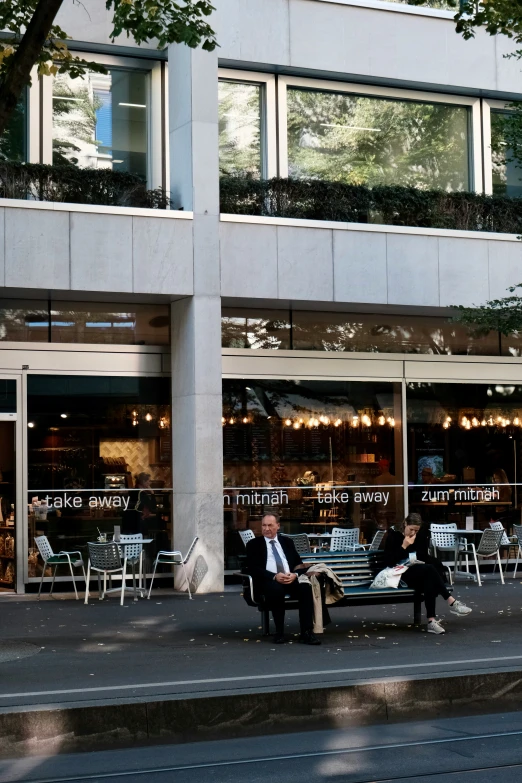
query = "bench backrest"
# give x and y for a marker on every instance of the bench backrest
(354, 569)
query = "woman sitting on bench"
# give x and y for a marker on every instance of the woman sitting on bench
(399, 547)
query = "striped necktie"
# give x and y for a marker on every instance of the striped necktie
(277, 558)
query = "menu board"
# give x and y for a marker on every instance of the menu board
(244, 442)
(236, 444)
(305, 444)
(260, 441)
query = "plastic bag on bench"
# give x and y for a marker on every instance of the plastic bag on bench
(388, 577)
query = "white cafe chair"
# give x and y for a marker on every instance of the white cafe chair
(174, 558)
(72, 559)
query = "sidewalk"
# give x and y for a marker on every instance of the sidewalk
(171, 649)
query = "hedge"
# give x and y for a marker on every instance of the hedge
(72, 185)
(388, 205)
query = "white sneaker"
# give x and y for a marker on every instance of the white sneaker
(434, 626)
(460, 609)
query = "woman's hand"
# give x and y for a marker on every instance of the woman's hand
(409, 540)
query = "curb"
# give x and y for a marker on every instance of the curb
(30, 731)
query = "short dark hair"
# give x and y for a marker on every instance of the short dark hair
(272, 514)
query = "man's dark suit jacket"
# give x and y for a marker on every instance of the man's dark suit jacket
(256, 552)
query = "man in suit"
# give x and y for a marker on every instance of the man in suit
(274, 564)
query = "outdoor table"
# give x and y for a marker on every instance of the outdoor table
(123, 545)
(463, 533)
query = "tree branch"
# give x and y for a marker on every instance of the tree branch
(26, 55)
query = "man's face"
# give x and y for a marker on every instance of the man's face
(269, 526)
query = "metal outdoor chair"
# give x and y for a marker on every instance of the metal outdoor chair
(134, 553)
(301, 543)
(106, 559)
(62, 558)
(174, 558)
(345, 539)
(489, 546)
(246, 536)
(376, 542)
(444, 539)
(517, 529)
(499, 526)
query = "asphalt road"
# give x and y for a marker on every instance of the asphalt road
(459, 750)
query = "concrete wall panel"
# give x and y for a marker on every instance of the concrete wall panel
(37, 249)
(101, 252)
(360, 267)
(463, 269)
(413, 274)
(505, 267)
(248, 260)
(162, 256)
(305, 263)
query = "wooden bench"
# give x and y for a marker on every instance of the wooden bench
(356, 570)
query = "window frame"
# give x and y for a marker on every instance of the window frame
(267, 83)
(156, 132)
(374, 91)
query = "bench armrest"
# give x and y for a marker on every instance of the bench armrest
(248, 582)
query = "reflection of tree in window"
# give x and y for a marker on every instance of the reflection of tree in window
(14, 140)
(377, 141)
(239, 128)
(74, 122)
(506, 153)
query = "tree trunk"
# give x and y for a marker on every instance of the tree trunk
(26, 55)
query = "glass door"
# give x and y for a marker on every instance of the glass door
(10, 572)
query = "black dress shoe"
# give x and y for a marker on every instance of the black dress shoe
(279, 638)
(309, 637)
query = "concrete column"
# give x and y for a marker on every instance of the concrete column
(196, 321)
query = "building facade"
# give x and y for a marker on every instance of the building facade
(246, 362)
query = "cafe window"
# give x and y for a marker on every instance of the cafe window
(240, 128)
(84, 322)
(307, 330)
(13, 141)
(101, 120)
(99, 457)
(367, 140)
(323, 454)
(464, 452)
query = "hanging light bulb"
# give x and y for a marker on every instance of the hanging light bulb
(446, 425)
(475, 421)
(288, 422)
(223, 420)
(162, 423)
(232, 421)
(245, 420)
(516, 421)
(391, 421)
(366, 420)
(135, 422)
(297, 425)
(355, 421)
(148, 417)
(483, 423)
(381, 420)
(468, 424)
(490, 422)
(464, 422)
(337, 423)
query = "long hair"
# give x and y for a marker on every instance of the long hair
(411, 519)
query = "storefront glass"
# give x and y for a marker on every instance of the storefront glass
(7, 487)
(13, 142)
(307, 330)
(324, 454)
(464, 452)
(99, 456)
(84, 322)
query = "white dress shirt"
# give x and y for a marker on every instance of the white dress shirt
(271, 564)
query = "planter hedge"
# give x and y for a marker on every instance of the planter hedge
(72, 185)
(388, 205)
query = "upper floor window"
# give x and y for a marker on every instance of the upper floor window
(240, 128)
(13, 142)
(377, 141)
(101, 121)
(506, 170)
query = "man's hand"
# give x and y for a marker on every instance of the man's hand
(285, 579)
